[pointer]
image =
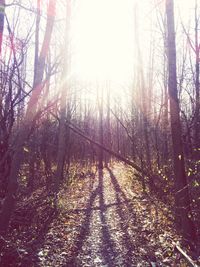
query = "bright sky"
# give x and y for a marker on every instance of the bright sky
(103, 37)
(103, 40)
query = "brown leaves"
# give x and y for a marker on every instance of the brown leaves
(103, 220)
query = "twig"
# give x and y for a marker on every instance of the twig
(183, 253)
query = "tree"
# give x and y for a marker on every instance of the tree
(2, 16)
(63, 103)
(182, 198)
(28, 122)
(197, 83)
(100, 109)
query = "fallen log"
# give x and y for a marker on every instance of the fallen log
(78, 131)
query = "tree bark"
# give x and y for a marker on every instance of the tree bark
(2, 17)
(197, 86)
(182, 199)
(100, 132)
(63, 104)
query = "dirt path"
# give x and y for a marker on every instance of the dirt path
(102, 223)
(105, 239)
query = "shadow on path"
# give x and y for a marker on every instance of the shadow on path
(107, 245)
(124, 210)
(95, 238)
(108, 251)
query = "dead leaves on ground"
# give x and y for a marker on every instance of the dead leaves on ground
(104, 223)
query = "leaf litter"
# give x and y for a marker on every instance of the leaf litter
(106, 220)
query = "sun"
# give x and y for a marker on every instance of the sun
(103, 40)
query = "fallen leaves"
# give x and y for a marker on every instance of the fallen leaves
(106, 221)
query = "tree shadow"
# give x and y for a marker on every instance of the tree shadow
(84, 229)
(13, 257)
(108, 250)
(37, 244)
(124, 210)
(107, 245)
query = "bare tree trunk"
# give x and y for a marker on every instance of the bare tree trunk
(100, 103)
(166, 101)
(37, 39)
(62, 125)
(24, 132)
(143, 99)
(108, 130)
(182, 199)
(33, 156)
(197, 85)
(2, 16)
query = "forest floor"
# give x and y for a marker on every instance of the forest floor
(105, 219)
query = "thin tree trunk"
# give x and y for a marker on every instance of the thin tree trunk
(143, 100)
(24, 131)
(100, 103)
(108, 129)
(2, 17)
(166, 102)
(197, 86)
(63, 104)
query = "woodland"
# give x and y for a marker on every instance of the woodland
(99, 133)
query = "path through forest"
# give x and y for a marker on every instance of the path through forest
(105, 223)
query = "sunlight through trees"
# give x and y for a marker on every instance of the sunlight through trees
(99, 99)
